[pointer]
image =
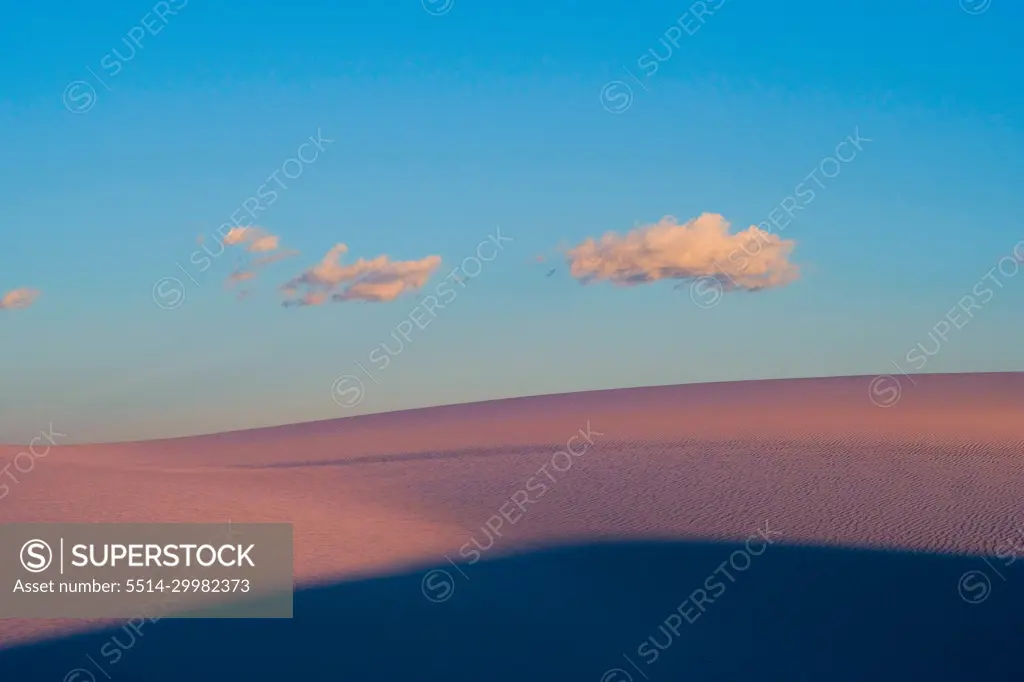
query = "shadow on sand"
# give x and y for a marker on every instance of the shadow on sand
(578, 613)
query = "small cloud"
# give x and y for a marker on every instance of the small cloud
(306, 299)
(236, 235)
(255, 240)
(18, 299)
(264, 244)
(377, 280)
(239, 276)
(703, 247)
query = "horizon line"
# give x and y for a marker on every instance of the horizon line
(444, 406)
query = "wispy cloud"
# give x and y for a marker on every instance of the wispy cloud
(255, 240)
(377, 280)
(18, 298)
(240, 276)
(703, 247)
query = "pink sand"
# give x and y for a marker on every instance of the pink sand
(941, 470)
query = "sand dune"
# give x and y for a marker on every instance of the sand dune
(939, 472)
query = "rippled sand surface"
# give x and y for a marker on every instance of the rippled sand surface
(941, 469)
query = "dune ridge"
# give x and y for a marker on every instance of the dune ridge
(941, 471)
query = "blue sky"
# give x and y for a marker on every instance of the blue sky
(446, 127)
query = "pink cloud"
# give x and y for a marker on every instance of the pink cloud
(239, 276)
(752, 259)
(255, 240)
(18, 298)
(377, 280)
(264, 244)
(305, 299)
(236, 235)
